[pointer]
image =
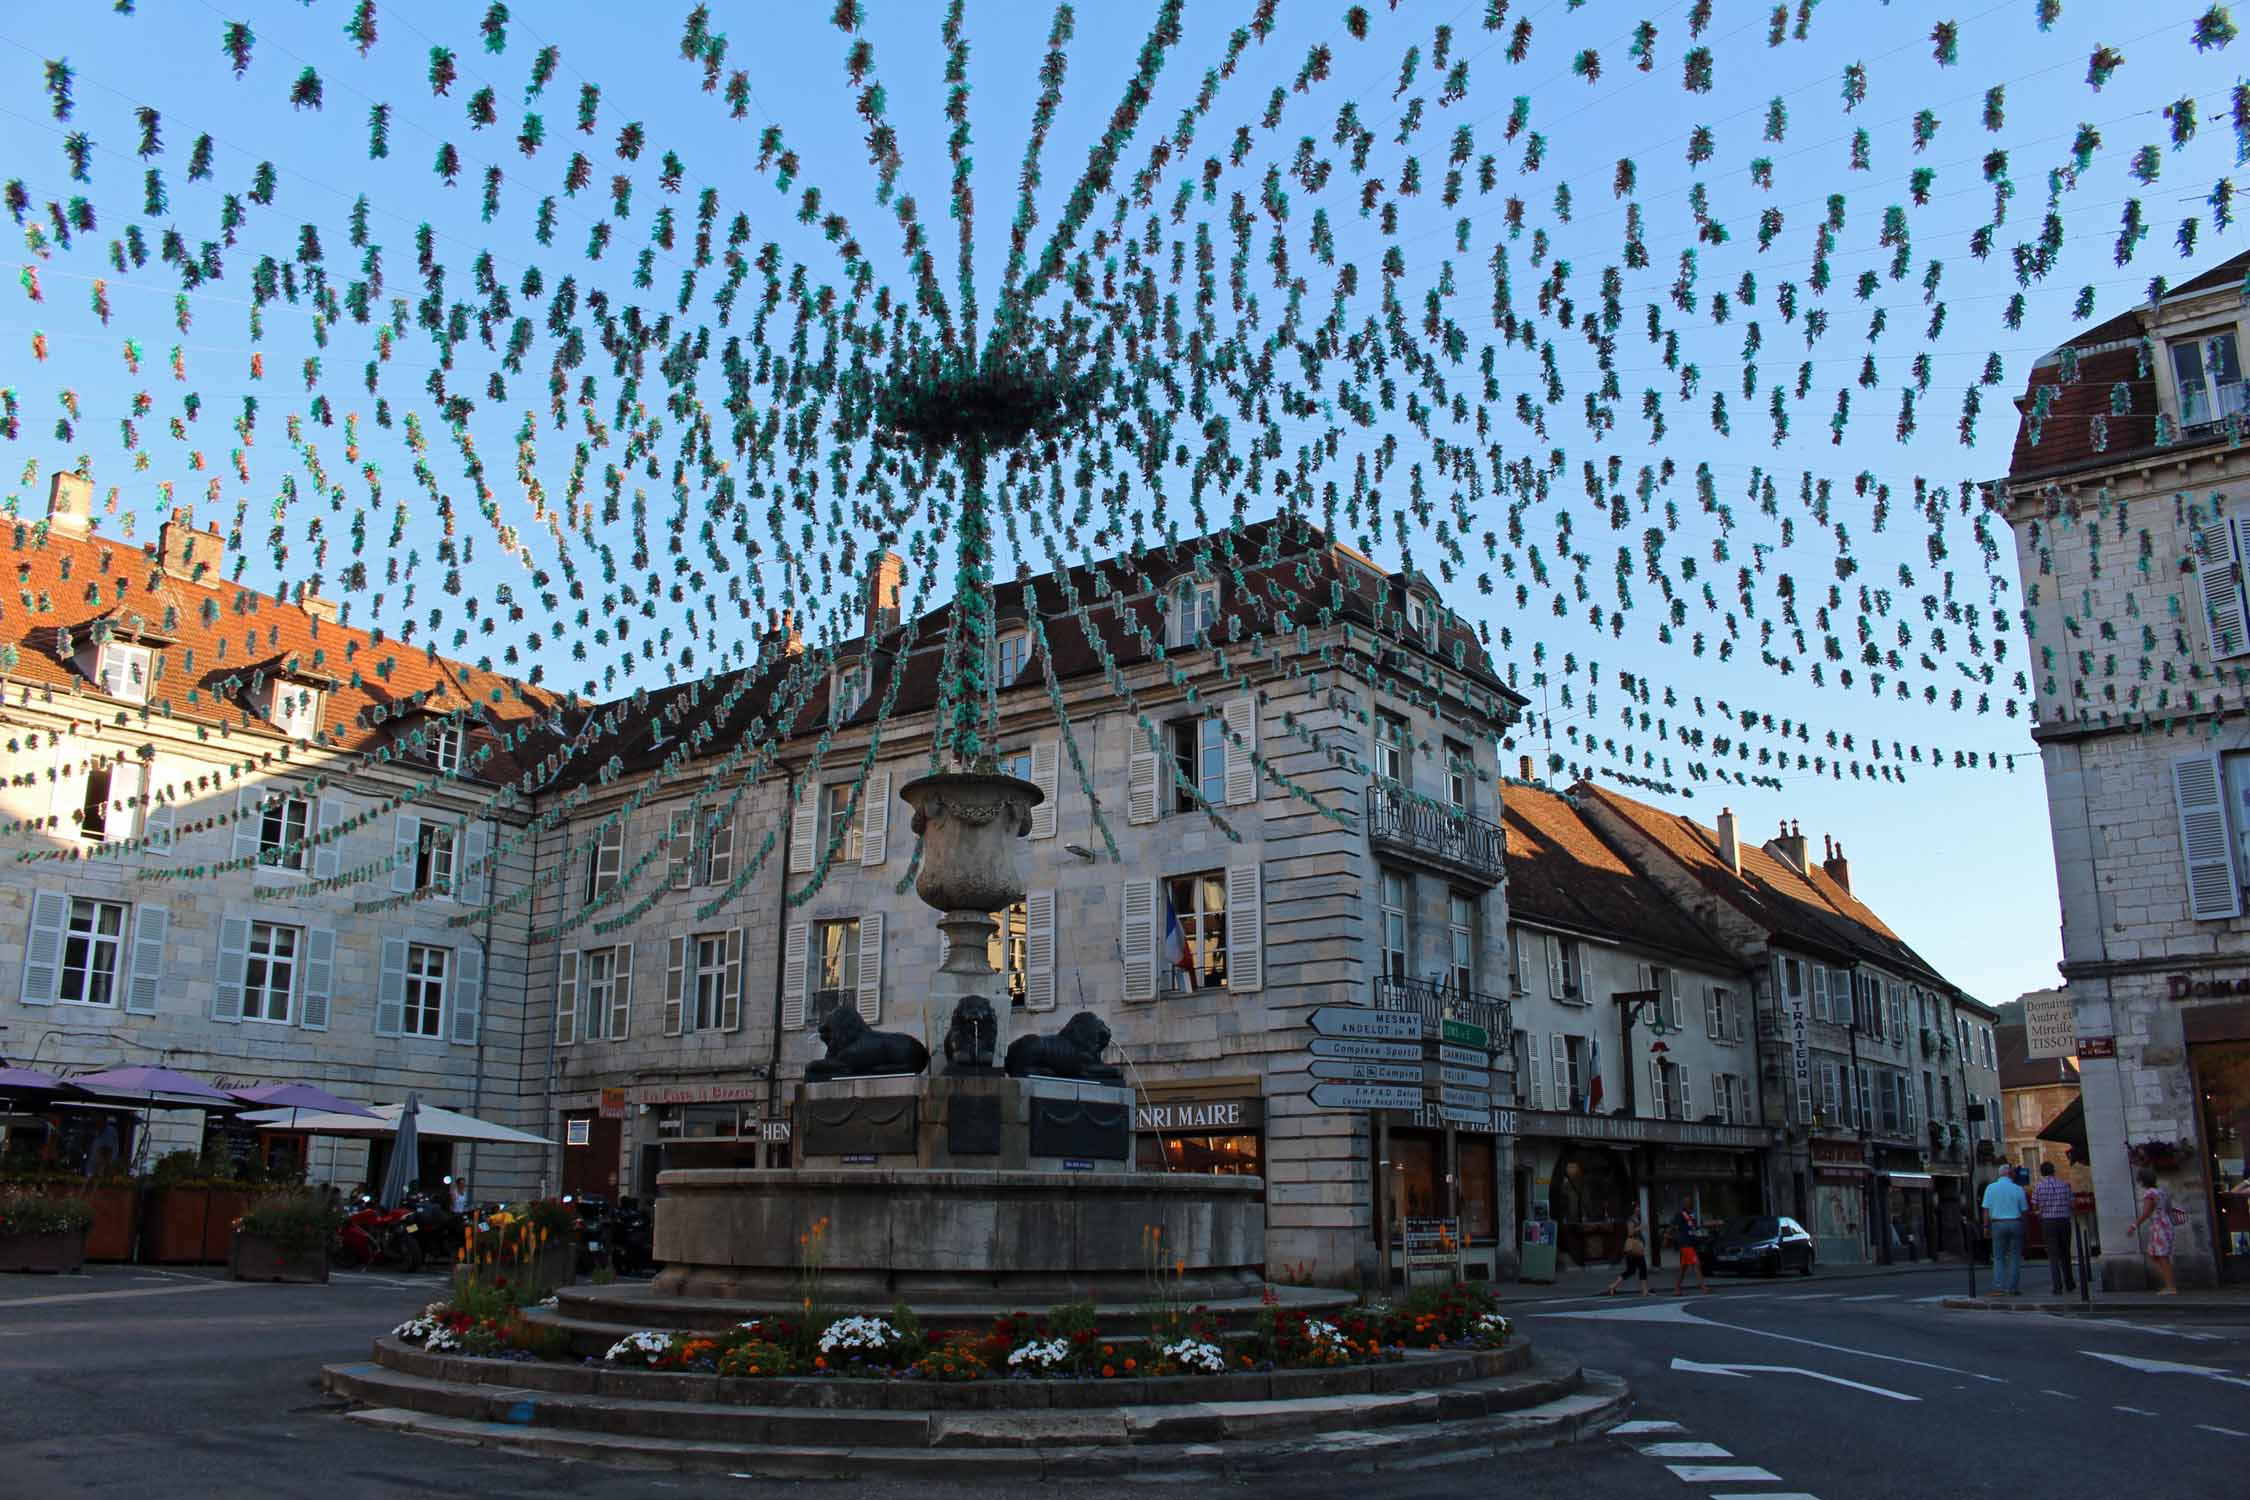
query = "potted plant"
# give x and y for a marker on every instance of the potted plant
(39, 1233)
(284, 1237)
(531, 1248)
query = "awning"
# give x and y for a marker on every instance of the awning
(431, 1123)
(1911, 1179)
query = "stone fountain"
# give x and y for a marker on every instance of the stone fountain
(1001, 1174)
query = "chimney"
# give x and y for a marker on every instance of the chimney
(886, 581)
(1730, 844)
(70, 503)
(1791, 845)
(1525, 766)
(781, 637)
(1839, 870)
(188, 554)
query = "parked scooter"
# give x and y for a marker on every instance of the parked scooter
(632, 1235)
(594, 1243)
(433, 1226)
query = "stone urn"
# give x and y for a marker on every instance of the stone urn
(969, 823)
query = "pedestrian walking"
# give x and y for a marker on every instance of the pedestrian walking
(2051, 1199)
(2158, 1213)
(1636, 1258)
(1683, 1237)
(2004, 1208)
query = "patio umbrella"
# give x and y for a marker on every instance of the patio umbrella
(31, 1081)
(300, 1096)
(430, 1123)
(404, 1150)
(157, 1086)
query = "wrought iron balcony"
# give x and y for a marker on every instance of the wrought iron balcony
(1437, 1003)
(1445, 839)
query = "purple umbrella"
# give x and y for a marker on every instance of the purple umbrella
(301, 1096)
(31, 1081)
(157, 1086)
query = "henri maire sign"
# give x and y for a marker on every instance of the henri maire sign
(1201, 1114)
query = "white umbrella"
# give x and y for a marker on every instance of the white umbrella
(431, 1123)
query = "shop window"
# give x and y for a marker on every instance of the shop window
(93, 947)
(1220, 1155)
(1199, 752)
(1480, 1208)
(1417, 1174)
(1199, 906)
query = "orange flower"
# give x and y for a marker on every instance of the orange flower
(1128, 1364)
(820, 1362)
(1108, 1371)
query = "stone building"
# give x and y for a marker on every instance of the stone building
(196, 777)
(1280, 828)
(1869, 1059)
(1637, 1078)
(2132, 541)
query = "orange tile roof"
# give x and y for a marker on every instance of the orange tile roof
(1562, 871)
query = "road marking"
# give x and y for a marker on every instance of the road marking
(1636, 1429)
(1874, 1297)
(1810, 1296)
(1724, 1474)
(2133, 1411)
(2167, 1367)
(1926, 1301)
(1685, 1450)
(1691, 1366)
(1895, 1359)
(153, 1291)
(2221, 1431)
(1766, 1495)
(2067, 1396)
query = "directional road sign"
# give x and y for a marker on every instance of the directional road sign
(1365, 1096)
(1464, 1057)
(1480, 1119)
(1464, 1034)
(1368, 1024)
(1369, 1072)
(1476, 1099)
(1355, 1050)
(1464, 1078)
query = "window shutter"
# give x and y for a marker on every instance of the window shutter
(1656, 1086)
(316, 978)
(718, 851)
(1175, 621)
(621, 994)
(248, 823)
(1241, 716)
(151, 927)
(1140, 788)
(730, 997)
(159, 820)
(871, 968)
(794, 974)
(1039, 950)
(804, 827)
(1538, 1063)
(2200, 792)
(2219, 576)
(1246, 922)
(476, 851)
(1719, 1104)
(679, 871)
(1554, 967)
(1711, 1016)
(390, 992)
(43, 948)
(875, 819)
(675, 986)
(327, 855)
(406, 839)
(468, 992)
(1558, 1053)
(1137, 938)
(566, 998)
(234, 959)
(1046, 774)
(1687, 1097)
(1819, 993)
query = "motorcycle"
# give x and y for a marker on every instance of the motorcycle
(594, 1243)
(632, 1238)
(433, 1227)
(370, 1234)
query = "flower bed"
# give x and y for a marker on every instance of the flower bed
(39, 1233)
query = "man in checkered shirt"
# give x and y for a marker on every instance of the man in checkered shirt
(2052, 1201)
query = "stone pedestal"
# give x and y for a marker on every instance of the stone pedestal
(983, 1121)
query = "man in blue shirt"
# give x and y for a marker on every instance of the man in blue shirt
(2004, 1208)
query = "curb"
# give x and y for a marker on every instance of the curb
(2168, 1308)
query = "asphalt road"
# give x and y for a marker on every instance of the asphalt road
(143, 1383)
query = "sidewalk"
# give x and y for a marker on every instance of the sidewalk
(1590, 1281)
(2223, 1304)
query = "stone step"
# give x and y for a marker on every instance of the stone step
(1602, 1403)
(375, 1385)
(635, 1305)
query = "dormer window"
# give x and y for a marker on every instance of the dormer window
(2209, 377)
(1422, 615)
(1011, 655)
(1192, 607)
(124, 671)
(445, 748)
(851, 692)
(294, 709)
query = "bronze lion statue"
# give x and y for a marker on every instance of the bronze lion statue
(1075, 1052)
(856, 1049)
(970, 1036)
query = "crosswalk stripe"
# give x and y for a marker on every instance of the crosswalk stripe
(1874, 1297)
(1767, 1495)
(1636, 1428)
(2221, 1431)
(1724, 1474)
(1685, 1450)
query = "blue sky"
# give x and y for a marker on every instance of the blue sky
(1957, 861)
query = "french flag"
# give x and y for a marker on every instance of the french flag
(1176, 952)
(1594, 1076)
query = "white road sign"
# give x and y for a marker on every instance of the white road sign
(1355, 1050)
(1367, 1023)
(1365, 1096)
(1369, 1072)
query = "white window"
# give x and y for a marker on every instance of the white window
(716, 862)
(1460, 777)
(713, 981)
(294, 709)
(1667, 993)
(1010, 655)
(1199, 750)
(1398, 896)
(1199, 905)
(124, 671)
(1394, 749)
(433, 856)
(835, 965)
(851, 693)
(93, 811)
(839, 822)
(1792, 978)
(1563, 974)
(605, 862)
(1461, 926)
(1722, 1019)
(445, 748)
(425, 989)
(607, 1002)
(1730, 1096)
(269, 976)
(1016, 763)
(2209, 377)
(1008, 950)
(93, 945)
(1575, 1058)
(1423, 613)
(282, 824)
(1191, 607)
(1519, 953)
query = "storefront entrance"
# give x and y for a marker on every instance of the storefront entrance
(2222, 1084)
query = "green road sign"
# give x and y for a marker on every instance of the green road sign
(1465, 1034)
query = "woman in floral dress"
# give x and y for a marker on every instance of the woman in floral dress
(2159, 1215)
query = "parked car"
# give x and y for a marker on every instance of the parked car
(1764, 1243)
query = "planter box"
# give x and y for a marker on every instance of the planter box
(192, 1225)
(59, 1253)
(255, 1257)
(556, 1267)
(116, 1216)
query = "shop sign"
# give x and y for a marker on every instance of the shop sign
(1839, 1153)
(1632, 1130)
(613, 1104)
(775, 1131)
(1473, 1119)
(1431, 1242)
(1431, 1115)
(1201, 1114)
(1799, 1055)
(2050, 1025)
(698, 1093)
(2189, 987)
(2096, 1046)
(578, 1132)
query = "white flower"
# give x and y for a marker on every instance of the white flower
(857, 1333)
(639, 1348)
(423, 1330)
(1193, 1354)
(1322, 1333)
(1051, 1355)
(441, 1341)
(1492, 1326)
